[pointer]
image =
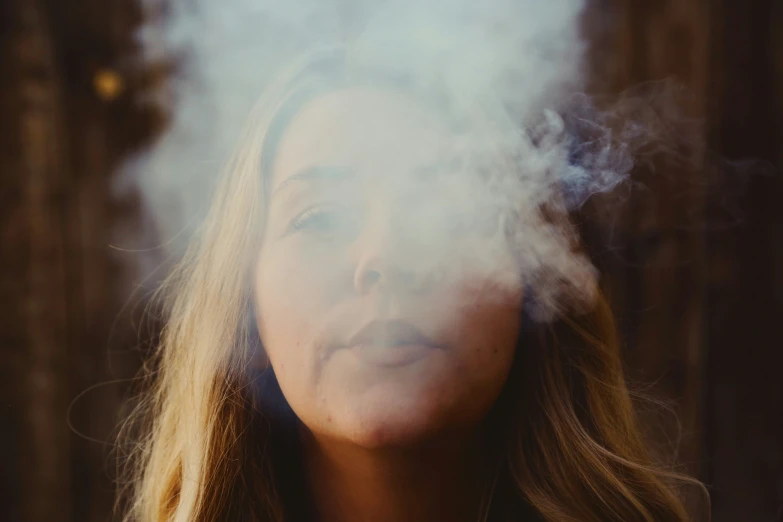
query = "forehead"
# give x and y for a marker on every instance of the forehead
(369, 130)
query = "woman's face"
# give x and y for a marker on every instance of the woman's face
(379, 313)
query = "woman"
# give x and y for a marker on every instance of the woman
(367, 328)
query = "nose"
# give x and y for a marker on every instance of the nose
(387, 262)
(376, 273)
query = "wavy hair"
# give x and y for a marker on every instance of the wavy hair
(207, 437)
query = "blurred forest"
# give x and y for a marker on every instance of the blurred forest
(695, 271)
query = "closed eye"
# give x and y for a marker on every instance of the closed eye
(324, 220)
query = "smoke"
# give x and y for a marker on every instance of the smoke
(520, 63)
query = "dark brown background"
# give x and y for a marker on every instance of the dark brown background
(695, 267)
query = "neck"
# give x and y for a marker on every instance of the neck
(436, 481)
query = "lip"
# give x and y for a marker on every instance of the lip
(391, 343)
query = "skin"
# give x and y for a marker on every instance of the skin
(371, 237)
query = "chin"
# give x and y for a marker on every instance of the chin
(398, 423)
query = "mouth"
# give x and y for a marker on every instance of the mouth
(391, 344)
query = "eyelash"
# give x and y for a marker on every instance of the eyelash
(308, 220)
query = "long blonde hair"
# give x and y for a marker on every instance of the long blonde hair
(202, 445)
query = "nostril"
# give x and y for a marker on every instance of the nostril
(372, 277)
(374, 273)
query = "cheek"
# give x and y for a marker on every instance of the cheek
(294, 299)
(489, 323)
(486, 334)
(293, 291)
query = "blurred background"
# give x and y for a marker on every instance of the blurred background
(91, 97)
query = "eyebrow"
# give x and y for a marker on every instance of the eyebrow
(316, 173)
(331, 172)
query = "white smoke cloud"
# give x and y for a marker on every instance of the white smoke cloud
(520, 60)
